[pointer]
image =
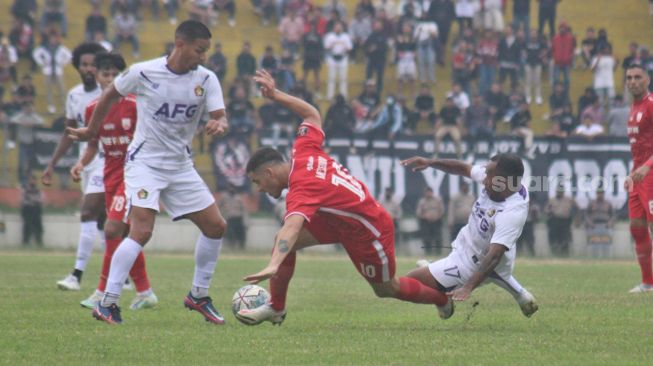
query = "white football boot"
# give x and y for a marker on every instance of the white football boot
(92, 300)
(69, 283)
(527, 303)
(144, 301)
(446, 311)
(260, 314)
(642, 287)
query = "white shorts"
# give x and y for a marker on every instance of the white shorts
(455, 270)
(93, 179)
(181, 191)
(406, 70)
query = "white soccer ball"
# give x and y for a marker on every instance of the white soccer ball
(249, 297)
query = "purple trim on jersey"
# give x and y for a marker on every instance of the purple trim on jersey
(523, 192)
(174, 72)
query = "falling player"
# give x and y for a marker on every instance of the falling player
(640, 182)
(173, 93)
(115, 133)
(92, 212)
(325, 205)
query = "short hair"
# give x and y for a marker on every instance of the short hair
(509, 166)
(264, 156)
(108, 60)
(637, 66)
(86, 48)
(191, 30)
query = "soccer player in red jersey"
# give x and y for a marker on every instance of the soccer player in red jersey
(115, 134)
(325, 204)
(640, 182)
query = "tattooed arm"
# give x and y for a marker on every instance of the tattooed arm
(284, 243)
(488, 264)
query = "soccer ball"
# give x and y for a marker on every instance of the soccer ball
(249, 297)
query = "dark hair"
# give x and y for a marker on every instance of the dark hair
(262, 157)
(191, 30)
(636, 66)
(509, 166)
(107, 60)
(86, 48)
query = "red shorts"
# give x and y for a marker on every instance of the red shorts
(640, 200)
(373, 257)
(117, 205)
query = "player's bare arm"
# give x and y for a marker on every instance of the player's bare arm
(285, 242)
(269, 90)
(488, 264)
(62, 147)
(450, 166)
(217, 125)
(86, 158)
(109, 96)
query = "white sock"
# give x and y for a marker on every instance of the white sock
(511, 285)
(87, 233)
(207, 251)
(122, 261)
(147, 292)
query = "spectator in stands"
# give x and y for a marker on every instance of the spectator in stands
(26, 121)
(246, 65)
(95, 22)
(526, 241)
(460, 207)
(521, 16)
(54, 12)
(233, 210)
(52, 57)
(312, 61)
(511, 49)
(520, 126)
(376, 50)
(406, 52)
(618, 117)
(589, 129)
(460, 98)
(442, 12)
(536, 52)
(217, 62)
(366, 8)
(558, 100)
(389, 121)
(426, 38)
(340, 120)
(588, 47)
(632, 58)
(331, 6)
(125, 28)
(241, 114)
(26, 92)
(407, 15)
(588, 98)
(498, 102)
(647, 62)
(360, 29)
(430, 212)
(394, 209)
(21, 37)
(594, 111)
(487, 50)
(366, 106)
(228, 6)
(201, 10)
(286, 71)
(599, 221)
(565, 123)
(334, 19)
(492, 15)
(478, 121)
(171, 7)
(604, 66)
(388, 7)
(31, 211)
(100, 39)
(269, 62)
(315, 19)
(562, 48)
(8, 60)
(24, 10)
(425, 105)
(449, 124)
(337, 45)
(547, 14)
(463, 66)
(560, 211)
(602, 41)
(301, 7)
(291, 30)
(465, 13)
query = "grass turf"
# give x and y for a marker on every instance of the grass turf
(585, 317)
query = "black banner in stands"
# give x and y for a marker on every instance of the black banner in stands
(229, 157)
(45, 142)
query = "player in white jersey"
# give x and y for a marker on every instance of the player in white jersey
(92, 211)
(173, 94)
(484, 250)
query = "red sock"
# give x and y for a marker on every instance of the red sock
(111, 246)
(643, 249)
(139, 274)
(412, 290)
(279, 283)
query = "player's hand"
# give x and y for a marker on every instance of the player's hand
(79, 134)
(263, 275)
(76, 171)
(46, 177)
(266, 83)
(460, 294)
(417, 162)
(640, 173)
(217, 127)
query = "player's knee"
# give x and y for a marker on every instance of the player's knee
(216, 229)
(140, 235)
(113, 230)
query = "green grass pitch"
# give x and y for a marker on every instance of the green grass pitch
(586, 317)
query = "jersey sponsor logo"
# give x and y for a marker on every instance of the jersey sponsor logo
(199, 91)
(639, 116)
(142, 194)
(309, 165)
(302, 131)
(178, 109)
(109, 126)
(126, 123)
(321, 167)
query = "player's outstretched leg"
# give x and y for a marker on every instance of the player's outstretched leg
(207, 251)
(643, 249)
(524, 298)
(275, 311)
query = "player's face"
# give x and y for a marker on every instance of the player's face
(105, 76)
(265, 181)
(637, 81)
(87, 69)
(195, 52)
(493, 184)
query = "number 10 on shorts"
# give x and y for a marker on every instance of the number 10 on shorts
(368, 270)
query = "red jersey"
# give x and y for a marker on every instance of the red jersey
(115, 134)
(640, 130)
(318, 185)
